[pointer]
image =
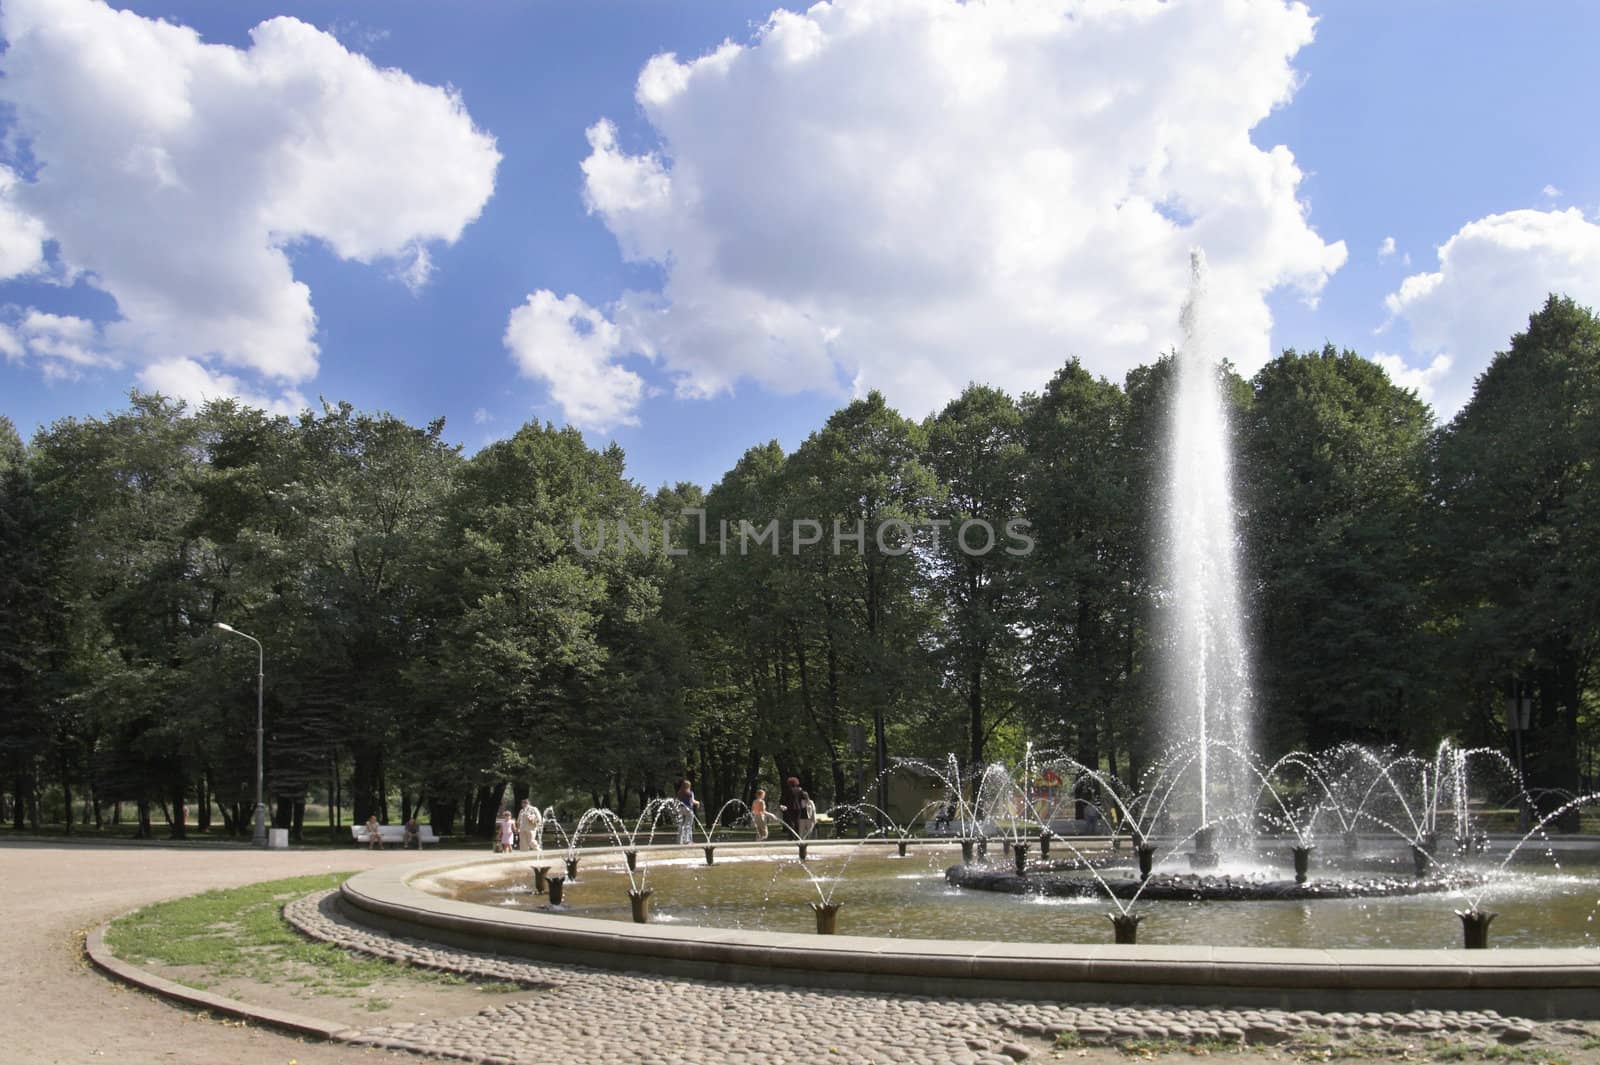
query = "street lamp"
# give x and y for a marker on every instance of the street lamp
(258, 834)
(1519, 713)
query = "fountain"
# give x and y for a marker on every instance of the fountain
(1206, 655)
(1225, 819)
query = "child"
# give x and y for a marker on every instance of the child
(758, 814)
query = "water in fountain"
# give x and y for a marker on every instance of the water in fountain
(1208, 701)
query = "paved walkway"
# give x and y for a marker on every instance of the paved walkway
(58, 1011)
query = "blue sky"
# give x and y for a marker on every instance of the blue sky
(878, 194)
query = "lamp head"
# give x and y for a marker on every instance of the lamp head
(224, 626)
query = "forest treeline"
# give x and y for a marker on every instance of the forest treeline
(435, 630)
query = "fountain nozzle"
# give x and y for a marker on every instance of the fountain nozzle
(1302, 862)
(1475, 928)
(640, 901)
(1125, 927)
(827, 917)
(1147, 859)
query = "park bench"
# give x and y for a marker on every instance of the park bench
(393, 834)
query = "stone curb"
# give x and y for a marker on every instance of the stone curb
(94, 947)
(1547, 982)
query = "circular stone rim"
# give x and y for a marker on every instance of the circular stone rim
(1530, 981)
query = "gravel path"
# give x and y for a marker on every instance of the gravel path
(601, 1016)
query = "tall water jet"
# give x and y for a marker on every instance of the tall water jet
(1208, 700)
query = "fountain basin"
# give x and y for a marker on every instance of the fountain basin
(1194, 887)
(1531, 982)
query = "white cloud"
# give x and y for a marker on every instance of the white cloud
(176, 175)
(571, 347)
(1551, 192)
(1422, 381)
(909, 194)
(21, 235)
(1386, 249)
(61, 346)
(1493, 273)
(195, 383)
(481, 416)
(11, 345)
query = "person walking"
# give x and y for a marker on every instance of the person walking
(793, 806)
(687, 804)
(808, 814)
(530, 826)
(758, 814)
(505, 832)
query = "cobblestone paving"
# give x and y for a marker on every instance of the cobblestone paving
(575, 1013)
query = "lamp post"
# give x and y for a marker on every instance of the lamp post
(1519, 713)
(258, 834)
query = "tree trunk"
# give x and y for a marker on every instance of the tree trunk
(975, 707)
(333, 797)
(364, 784)
(179, 818)
(145, 831)
(488, 805)
(283, 812)
(203, 814)
(442, 814)
(383, 790)
(1088, 755)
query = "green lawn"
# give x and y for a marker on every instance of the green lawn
(240, 933)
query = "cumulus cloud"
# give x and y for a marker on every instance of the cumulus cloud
(1419, 380)
(11, 345)
(21, 235)
(1551, 192)
(571, 347)
(195, 383)
(1493, 273)
(176, 176)
(909, 194)
(62, 346)
(1386, 249)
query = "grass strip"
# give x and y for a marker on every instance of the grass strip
(240, 934)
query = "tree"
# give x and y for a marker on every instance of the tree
(512, 671)
(1333, 467)
(1087, 491)
(1518, 527)
(861, 480)
(119, 495)
(28, 623)
(976, 449)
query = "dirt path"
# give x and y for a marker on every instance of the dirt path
(55, 1009)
